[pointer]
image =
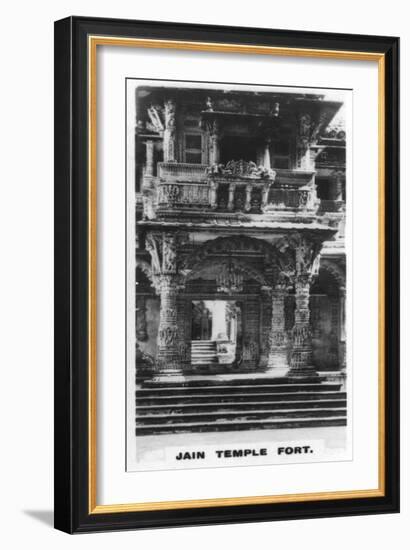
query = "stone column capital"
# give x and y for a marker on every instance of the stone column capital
(282, 284)
(266, 289)
(303, 280)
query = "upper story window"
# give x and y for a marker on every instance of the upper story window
(193, 148)
(280, 154)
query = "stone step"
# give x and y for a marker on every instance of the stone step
(237, 380)
(183, 390)
(171, 399)
(199, 345)
(243, 406)
(239, 415)
(203, 345)
(235, 425)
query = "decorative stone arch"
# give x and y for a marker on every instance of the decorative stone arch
(145, 267)
(241, 265)
(226, 244)
(334, 351)
(337, 272)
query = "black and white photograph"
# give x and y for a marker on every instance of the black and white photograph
(238, 259)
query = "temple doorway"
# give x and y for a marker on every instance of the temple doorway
(201, 321)
(216, 332)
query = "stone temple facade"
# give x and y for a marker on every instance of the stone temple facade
(240, 212)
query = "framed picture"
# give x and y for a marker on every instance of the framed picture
(226, 274)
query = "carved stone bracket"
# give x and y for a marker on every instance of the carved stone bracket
(309, 128)
(163, 250)
(156, 118)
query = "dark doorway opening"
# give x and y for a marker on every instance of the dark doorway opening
(201, 321)
(238, 148)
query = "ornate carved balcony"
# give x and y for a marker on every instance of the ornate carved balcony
(237, 187)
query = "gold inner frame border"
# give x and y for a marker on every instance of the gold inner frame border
(93, 42)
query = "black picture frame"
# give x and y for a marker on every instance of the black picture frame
(72, 512)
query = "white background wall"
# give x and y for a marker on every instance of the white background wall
(26, 289)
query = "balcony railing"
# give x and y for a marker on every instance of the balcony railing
(332, 206)
(178, 171)
(186, 187)
(184, 195)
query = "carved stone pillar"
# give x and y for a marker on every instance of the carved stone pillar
(149, 168)
(184, 324)
(248, 197)
(301, 355)
(266, 317)
(266, 155)
(277, 337)
(303, 142)
(169, 358)
(167, 282)
(265, 194)
(213, 194)
(140, 319)
(338, 179)
(231, 196)
(170, 131)
(214, 143)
